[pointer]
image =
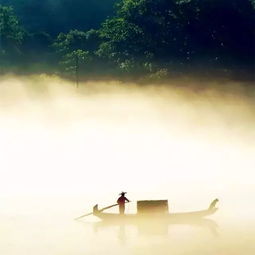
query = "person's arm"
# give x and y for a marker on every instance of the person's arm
(127, 199)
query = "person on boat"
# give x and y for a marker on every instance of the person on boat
(121, 202)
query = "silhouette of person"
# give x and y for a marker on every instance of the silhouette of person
(121, 202)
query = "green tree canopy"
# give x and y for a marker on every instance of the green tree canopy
(77, 40)
(74, 61)
(180, 32)
(76, 49)
(11, 33)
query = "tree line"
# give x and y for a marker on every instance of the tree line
(153, 39)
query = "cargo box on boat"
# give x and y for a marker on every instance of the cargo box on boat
(152, 206)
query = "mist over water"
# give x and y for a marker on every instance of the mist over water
(63, 149)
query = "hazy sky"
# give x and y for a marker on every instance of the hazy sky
(59, 140)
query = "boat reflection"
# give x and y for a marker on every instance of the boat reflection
(156, 228)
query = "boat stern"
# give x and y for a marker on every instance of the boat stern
(213, 204)
(95, 210)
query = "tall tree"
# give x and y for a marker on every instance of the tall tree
(76, 49)
(11, 33)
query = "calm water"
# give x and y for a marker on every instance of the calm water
(63, 150)
(50, 228)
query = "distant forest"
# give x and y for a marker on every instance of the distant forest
(148, 40)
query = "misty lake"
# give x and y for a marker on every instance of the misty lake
(48, 231)
(62, 151)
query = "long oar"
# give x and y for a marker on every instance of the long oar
(85, 215)
(101, 210)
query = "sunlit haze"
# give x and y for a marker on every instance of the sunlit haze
(127, 127)
(104, 137)
(170, 141)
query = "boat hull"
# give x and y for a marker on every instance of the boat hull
(153, 217)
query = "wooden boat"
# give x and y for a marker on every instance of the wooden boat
(155, 216)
